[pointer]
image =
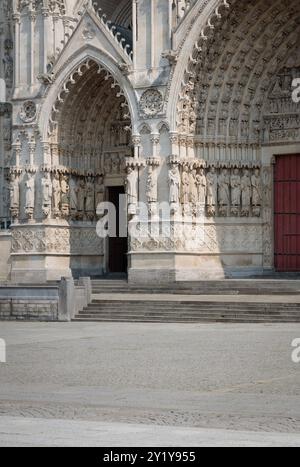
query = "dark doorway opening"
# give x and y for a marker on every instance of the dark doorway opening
(287, 213)
(117, 246)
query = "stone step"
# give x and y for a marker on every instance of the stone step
(121, 307)
(129, 319)
(196, 311)
(187, 316)
(231, 287)
(172, 306)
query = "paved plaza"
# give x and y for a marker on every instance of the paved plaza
(71, 384)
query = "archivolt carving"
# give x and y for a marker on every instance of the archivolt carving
(225, 86)
(75, 77)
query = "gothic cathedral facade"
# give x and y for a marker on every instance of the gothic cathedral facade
(187, 110)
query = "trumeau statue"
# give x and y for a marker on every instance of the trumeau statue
(246, 193)
(174, 184)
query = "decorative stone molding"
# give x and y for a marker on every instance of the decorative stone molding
(88, 32)
(204, 239)
(57, 240)
(28, 112)
(151, 102)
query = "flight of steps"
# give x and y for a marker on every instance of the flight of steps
(219, 287)
(116, 305)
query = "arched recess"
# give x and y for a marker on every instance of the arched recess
(90, 123)
(86, 126)
(225, 84)
(235, 106)
(87, 61)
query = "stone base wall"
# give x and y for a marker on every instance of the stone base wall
(5, 260)
(35, 310)
(42, 253)
(44, 303)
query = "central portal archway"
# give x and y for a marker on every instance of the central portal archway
(90, 139)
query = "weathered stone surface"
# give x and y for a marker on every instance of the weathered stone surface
(184, 112)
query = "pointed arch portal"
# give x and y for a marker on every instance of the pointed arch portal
(89, 137)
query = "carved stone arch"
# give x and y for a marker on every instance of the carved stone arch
(163, 126)
(63, 78)
(229, 69)
(203, 17)
(145, 128)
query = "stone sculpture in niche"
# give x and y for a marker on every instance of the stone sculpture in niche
(90, 199)
(99, 190)
(246, 193)
(65, 199)
(151, 185)
(73, 198)
(81, 198)
(256, 192)
(14, 189)
(46, 194)
(174, 184)
(235, 183)
(224, 192)
(185, 186)
(212, 191)
(8, 67)
(56, 194)
(29, 195)
(201, 184)
(193, 188)
(131, 189)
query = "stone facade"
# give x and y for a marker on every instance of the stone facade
(183, 103)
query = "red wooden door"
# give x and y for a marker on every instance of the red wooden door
(287, 213)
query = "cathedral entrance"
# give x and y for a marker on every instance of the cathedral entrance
(287, 213)
(89, 144)
(118, 244)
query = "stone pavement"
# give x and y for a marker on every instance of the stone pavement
(28, 432)
(213, 383)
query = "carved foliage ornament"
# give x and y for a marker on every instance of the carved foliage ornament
(151, 102)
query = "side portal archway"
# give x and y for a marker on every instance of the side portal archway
(89, 141)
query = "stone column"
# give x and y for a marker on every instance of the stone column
(45, 14)
(32, 18)
(16, 19)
